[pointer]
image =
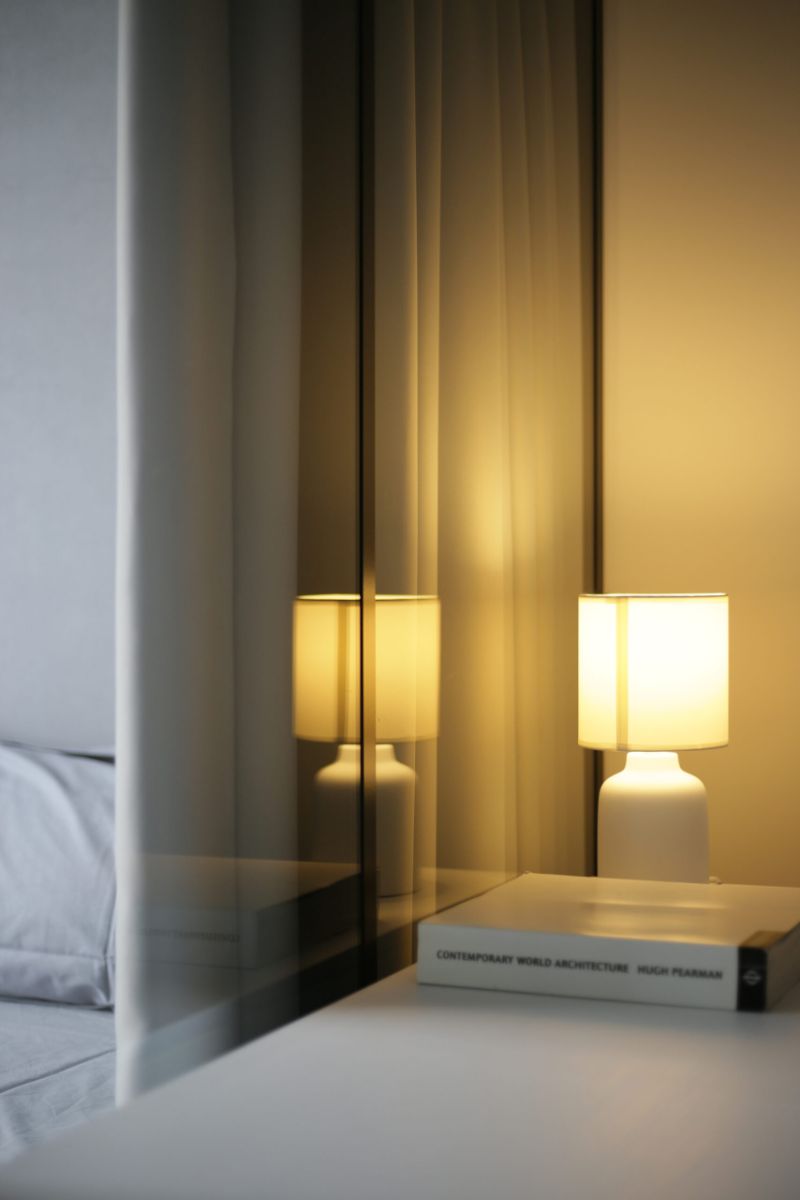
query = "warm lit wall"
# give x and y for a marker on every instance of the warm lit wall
(702, 371)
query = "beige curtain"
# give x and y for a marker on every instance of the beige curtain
(483, 393)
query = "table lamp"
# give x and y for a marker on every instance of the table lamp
(653, 680)
(327, 709)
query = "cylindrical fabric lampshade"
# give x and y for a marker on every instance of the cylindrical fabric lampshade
(326, 668)
(653, 672)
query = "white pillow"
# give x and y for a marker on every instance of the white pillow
(57, 883)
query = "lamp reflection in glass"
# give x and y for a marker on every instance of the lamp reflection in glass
(327, 704)
(653, 680)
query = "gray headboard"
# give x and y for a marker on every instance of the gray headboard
(57, 371)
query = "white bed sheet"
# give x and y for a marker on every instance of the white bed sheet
(56, 1070)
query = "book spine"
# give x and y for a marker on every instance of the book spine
(652, 972)
(751, 993)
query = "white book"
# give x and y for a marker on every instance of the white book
(703, 945)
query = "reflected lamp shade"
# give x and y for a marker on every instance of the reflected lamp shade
(653, 672)
(326, 668)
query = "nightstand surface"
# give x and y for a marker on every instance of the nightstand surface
(406, 1091)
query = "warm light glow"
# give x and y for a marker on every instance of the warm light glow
(326, 668)
(653, 672)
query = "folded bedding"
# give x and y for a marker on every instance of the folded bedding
(57, 908)
(57, 881)
(56, 1070)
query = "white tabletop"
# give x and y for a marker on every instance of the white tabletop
(407, 1091)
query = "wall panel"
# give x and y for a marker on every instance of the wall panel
(701, 388)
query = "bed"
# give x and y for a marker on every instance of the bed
(57, 910)
(56, 1070)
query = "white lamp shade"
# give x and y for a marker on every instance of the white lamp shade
(326, 668)
(653, 672)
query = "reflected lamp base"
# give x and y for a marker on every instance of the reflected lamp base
(336, 789)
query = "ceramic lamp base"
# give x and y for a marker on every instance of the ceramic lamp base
(653, 821)
(336, 789)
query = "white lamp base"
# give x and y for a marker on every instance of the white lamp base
(653, 821)
(336, 788)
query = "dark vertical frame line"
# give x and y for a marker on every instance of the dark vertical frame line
(366, 483)
(598, 524)
(597, 289)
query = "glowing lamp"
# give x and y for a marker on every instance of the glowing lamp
(653, 680)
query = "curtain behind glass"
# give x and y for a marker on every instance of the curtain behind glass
(483, 414)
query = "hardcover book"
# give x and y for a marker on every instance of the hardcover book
(729, 946)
